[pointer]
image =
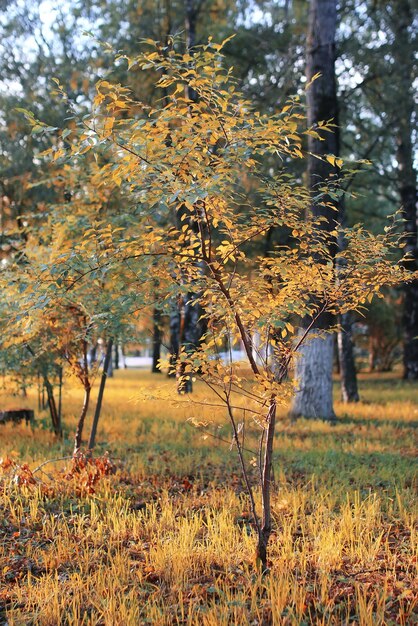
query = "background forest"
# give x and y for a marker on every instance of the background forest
(228, 188)
(374, 63)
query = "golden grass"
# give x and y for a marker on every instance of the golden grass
(167, 539)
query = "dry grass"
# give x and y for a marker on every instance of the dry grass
(167, 539)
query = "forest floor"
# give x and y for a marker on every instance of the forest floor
(156, 529)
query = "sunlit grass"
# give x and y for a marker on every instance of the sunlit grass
(168, 539)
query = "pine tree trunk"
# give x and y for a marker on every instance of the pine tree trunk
(313, 370)
(403, 24)
(408, 197)
(349, 387)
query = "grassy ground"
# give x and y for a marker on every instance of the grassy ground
(162, 534)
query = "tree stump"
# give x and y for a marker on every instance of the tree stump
(17, 415)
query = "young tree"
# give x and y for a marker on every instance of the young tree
(204, 175)
(56, 314)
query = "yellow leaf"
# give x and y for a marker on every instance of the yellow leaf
(108, 125)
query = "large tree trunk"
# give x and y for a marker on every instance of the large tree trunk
(313, 370)
(313, 373)
(403, 48)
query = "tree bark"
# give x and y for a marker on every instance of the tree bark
(83, 376)
(313, 370)
(349, 387)
(116, 356)
(345, 345)
(55, 417)
(266, 479)
(60, 383)
(313, 374)
(81, 420)
(156, 341)
(190, 334)
(92, 438)
(174, 339)
(110, 368)
(403, 22)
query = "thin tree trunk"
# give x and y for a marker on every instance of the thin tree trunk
(263, 531)
(84, 378)
(174, 339)
(98, 408)
(81, 420)
(266, 479)
(110, 368)
(93, 354)
(349, 387)
(156, 341)
(345, 345)
(44, 402)
(60, 395)
(40, 389)
(56, 423)
(116, 356)
(190, 334)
